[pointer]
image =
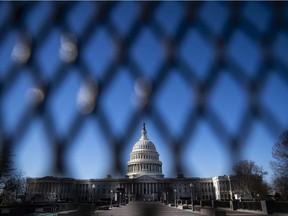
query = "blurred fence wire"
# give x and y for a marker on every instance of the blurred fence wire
(203, 41)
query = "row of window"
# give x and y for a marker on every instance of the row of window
(224, 186)
(144, 167)
(144, 147)
(43, 187)
(225, 196)
(143, 156)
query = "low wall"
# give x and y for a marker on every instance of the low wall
(183, 207)
(68, 213)
(277, 207)
(212, 212)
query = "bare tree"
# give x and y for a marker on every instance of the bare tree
(280, 154)
(6, 167)
(12, 181)
(249, 177)
(14, 187)
(280, 165)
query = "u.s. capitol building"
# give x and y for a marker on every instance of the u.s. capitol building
(144, 181)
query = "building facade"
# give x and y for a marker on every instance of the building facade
(144, 181)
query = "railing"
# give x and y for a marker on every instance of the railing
(222, 204)
(206, 203)
(249, 205)
(277, 207)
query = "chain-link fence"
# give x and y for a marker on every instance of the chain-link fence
(229, 60)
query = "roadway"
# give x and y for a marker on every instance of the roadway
(156, 209)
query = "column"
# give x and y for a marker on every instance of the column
(139, 188)
(148, 188)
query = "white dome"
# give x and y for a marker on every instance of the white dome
(144, 145)
(144, 158)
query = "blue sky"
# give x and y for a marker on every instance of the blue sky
(89, 155)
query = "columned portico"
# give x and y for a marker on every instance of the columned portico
(144, 188)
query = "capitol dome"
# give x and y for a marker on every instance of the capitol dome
(144, 159)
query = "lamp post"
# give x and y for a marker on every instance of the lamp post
(93, 187)
(111, 191)
(167, 197)
(120, 198)
(191, 191)
(175, 197)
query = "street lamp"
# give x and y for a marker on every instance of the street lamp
(191, 191)
(167, 195)
(111, 191)
(175, 197)
(93, 187)
(120, 198)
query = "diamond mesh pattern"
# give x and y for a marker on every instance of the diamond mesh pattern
(96, 47)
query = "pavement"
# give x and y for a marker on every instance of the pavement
(144, 209)
(157, 209)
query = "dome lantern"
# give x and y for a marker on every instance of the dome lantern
(144, 133)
